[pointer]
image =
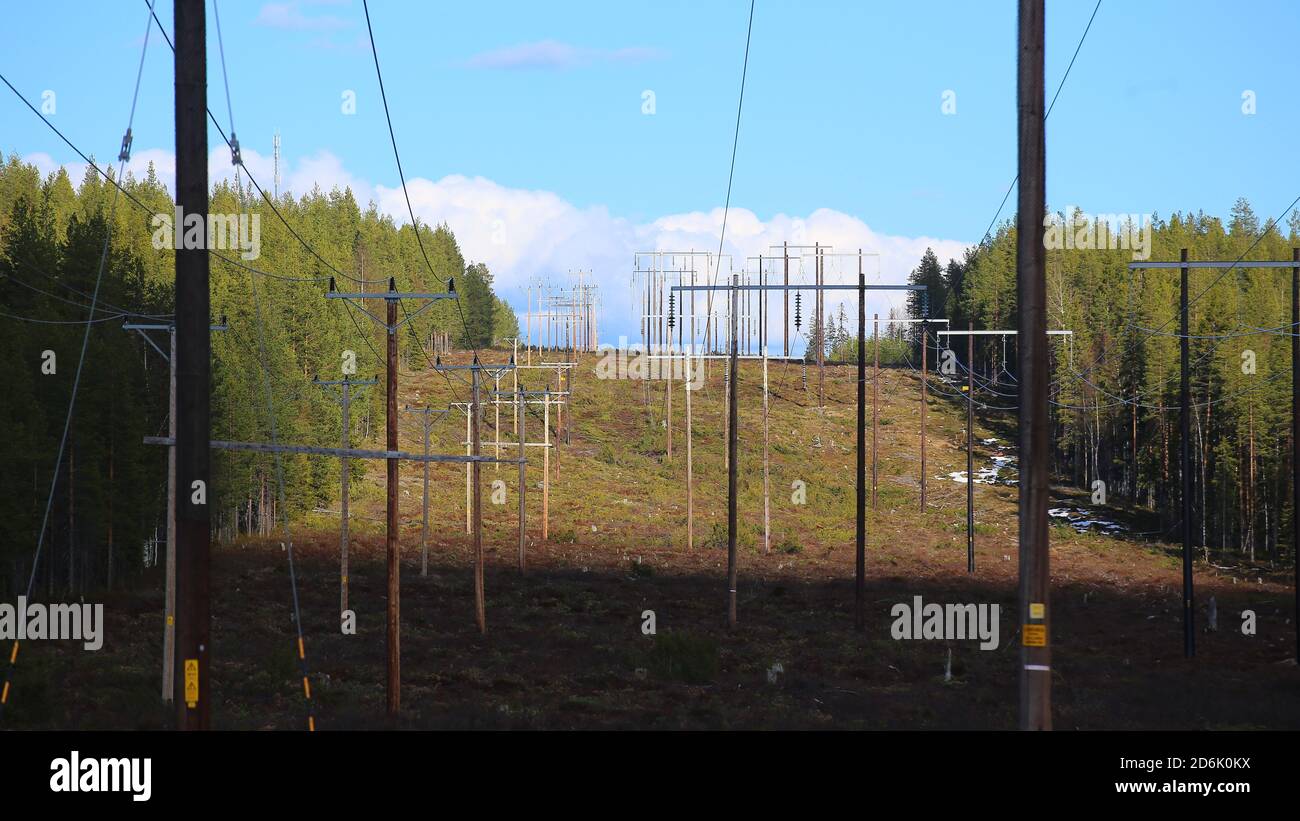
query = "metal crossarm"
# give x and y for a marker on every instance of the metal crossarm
(393, 295)
(261, 447)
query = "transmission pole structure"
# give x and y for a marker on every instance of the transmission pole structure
(391, 325)
(344, 398)
(859, 590)
(475, 418)
(1184, 266)
(734, 288)
(169, 600)
(732, 438)
(428, 418)
(969, 389)
(192, 692)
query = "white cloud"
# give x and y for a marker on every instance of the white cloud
(552, 54)
(525, 234)
(291, 16)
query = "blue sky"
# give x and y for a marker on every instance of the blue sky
(529, 116)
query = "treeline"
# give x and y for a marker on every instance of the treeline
(110, 497)
(1115, 389)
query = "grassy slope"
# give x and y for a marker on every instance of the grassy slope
(564, 646)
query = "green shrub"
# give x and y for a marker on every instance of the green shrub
(788, 546)
(684, 657)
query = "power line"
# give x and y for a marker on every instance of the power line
(1065, 77)
(731, 173)
(123, 156)
(267, 199)
(393, 137)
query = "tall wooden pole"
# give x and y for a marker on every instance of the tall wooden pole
(731, 461)
(480, 605)
(1295, 435)
(1031, 288)
(343, 499)
(690, 463)
(860, 586)
(925, 401)
(193, 687)
(469, 448)
(424, 513)
(875, 407)
(521, 414)
(821, 330)
(1185, 452)
(785, 296)
(668, 395)
(970, 453)
(394, 557)
(169, 608)
(767, 467)
(546, 464)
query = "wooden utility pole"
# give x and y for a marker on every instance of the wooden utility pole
(767, 466)
(345, 399)
(1295, 436)
(427, 415)
(546, 464)
(480, 606)
(820, 336)
(193, 354)
(875, 407)
(731, 461)
(521, 417)
(1035, 581)
(925, 399)
(469, 474)
(344, 495)
(860, 586)
(169, 603)
(1185, 453)
(970, 450)
(690, 463)
(785, 310)
(393, 524)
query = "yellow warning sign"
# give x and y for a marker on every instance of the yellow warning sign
(191, 682)
(1037, 610)
(1035, 635)
(171, 621)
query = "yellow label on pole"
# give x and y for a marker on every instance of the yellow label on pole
(1037, 610)
(191, 683)
(1035, 635)
(171, 621)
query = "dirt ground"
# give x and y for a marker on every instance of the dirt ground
(565, 647)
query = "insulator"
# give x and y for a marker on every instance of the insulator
(672, 316)
(798, 315)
